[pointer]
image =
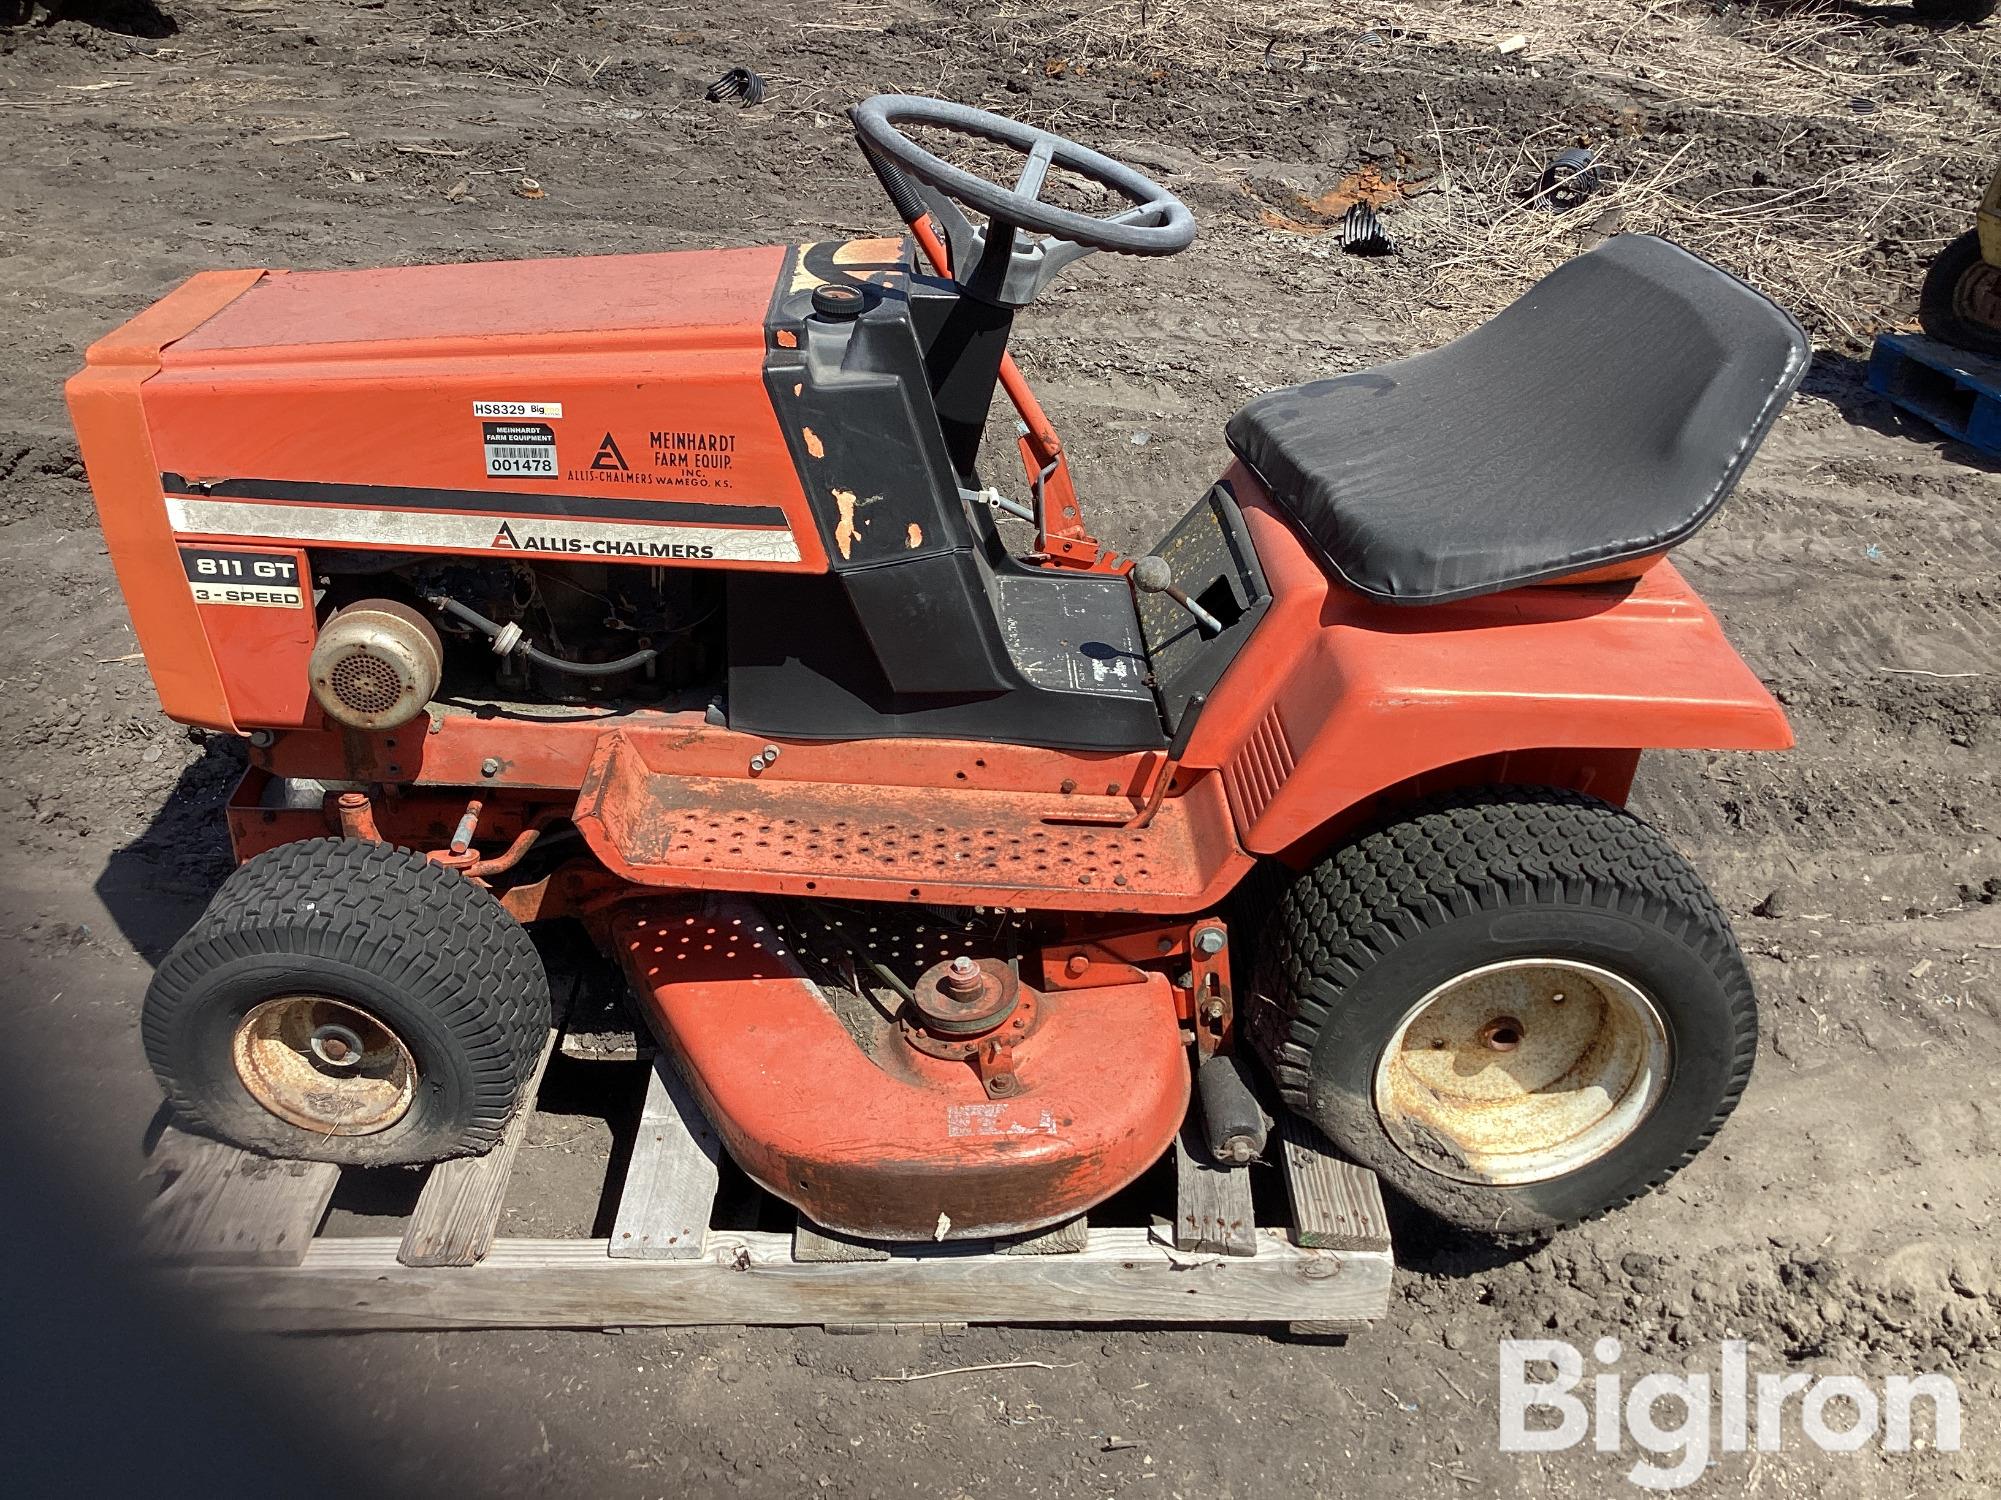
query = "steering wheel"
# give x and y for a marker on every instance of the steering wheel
(1158, 223)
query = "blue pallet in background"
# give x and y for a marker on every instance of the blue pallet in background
(1956, 391)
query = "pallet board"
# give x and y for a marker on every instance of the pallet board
(246, 1226)
(1122, 1275)
(1212, 1203)
(1067, 1238)
(458, 1213)
(1956, 390)
(670, 1182)
(229, 1207)
(829, 1247)
(1336, 1205)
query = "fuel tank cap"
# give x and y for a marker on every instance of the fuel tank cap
(837, 300)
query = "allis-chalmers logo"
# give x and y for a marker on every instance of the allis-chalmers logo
(609, 458)
(508, 539)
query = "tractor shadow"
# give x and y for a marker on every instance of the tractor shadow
(1901, 13)
(1843, 381)
(1424, 1246)
(141, 18)
(158, 884)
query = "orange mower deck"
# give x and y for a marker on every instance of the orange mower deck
(879, 1139)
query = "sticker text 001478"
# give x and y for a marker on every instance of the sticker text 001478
(519, 450)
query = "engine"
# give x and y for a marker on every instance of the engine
(398, 630)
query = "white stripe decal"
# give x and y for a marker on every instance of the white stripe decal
(560, 536)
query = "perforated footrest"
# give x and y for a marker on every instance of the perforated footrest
(895, 843)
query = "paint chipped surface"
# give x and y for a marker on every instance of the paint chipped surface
(915, 538)
(845, 530)
(813, 444)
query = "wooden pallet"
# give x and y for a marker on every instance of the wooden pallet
(1956, 391)
(242, 1227)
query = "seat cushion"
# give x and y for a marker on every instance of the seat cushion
(1600, 418)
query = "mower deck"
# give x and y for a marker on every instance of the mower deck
(242, 1229)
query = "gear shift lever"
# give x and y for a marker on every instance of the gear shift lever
(1153, 575)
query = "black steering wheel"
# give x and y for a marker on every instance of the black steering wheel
(1158, 223)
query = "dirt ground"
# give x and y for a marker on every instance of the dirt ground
(1844, 1221)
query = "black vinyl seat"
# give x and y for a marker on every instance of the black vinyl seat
(1599, 419)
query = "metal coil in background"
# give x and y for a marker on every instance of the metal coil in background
(738, 83)
(1362, 233)
(1569, 178)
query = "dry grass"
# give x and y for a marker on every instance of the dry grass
(1808, 237)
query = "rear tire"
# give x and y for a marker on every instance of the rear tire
(1519, 1006)
(348, 1002)
(1947, 302)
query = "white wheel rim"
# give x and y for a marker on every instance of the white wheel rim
(1522, 1071)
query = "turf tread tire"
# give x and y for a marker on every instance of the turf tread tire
(446, 945)
(1483, 850)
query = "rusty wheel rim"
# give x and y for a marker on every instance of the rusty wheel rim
(324, 1065)
(1522, 1071)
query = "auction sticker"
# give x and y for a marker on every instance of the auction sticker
(519, 450)
(256, 579)
(517, 408)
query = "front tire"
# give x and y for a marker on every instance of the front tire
(348, 1002)
(1519, 1006)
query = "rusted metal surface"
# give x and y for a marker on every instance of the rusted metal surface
(880, 1140)
(898, 843)
(973, 1011)
(324, 1065)
(255, 827)
(1116, 955)
(516, 851)
(1192, 955)
(965, 997)
(468, 829)
(1522, 1071)
(576, 889)
(1212, 1003)
(451, 747)
(357, 817)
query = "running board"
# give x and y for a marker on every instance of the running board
(890, 843)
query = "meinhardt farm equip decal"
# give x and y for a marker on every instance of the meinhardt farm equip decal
(670, 458)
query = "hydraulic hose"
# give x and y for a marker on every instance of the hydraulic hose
(521, 646)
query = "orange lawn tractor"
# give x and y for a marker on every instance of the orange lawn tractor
(665, 595)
